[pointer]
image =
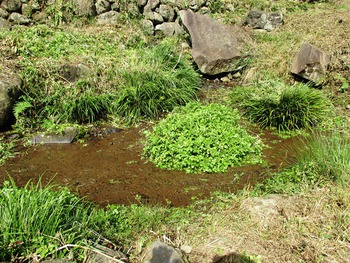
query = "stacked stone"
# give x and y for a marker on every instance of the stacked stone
(163, 15)
(17, 12)
(159, 15)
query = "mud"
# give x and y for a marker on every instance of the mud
(109, 169)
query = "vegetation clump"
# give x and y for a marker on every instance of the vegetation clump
(282, 106)
(201, 138)
(125, 82)
(36, 220)
(329, 154)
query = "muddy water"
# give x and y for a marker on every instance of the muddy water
(110, 170)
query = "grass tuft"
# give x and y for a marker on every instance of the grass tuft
(282, 106)
(36, 220)
(329, 153)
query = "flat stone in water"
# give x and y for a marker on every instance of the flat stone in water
(66, 136)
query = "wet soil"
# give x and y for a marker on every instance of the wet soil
(109, 169)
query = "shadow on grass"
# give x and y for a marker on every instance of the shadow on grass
(234, 258)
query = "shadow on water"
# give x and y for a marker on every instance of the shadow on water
(110, 170)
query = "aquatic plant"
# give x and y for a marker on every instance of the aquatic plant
(201, 138)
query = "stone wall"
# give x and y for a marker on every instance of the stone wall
(158, 15)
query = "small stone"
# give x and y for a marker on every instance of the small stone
(159, 252)
(186, 248)
(66, 136)
(102, 6)
(4, 23)
(225, 79)
(147, 26)
(19, 19)
(108, 18)
(347, 107)
(4, 13)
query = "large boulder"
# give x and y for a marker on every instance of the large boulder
(310, 64)
(216, 48)
(10, 85)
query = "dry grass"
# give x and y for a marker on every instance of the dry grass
(324, 25)
(312, 227)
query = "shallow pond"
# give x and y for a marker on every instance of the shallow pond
(109, 170)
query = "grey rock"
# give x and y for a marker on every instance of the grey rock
(132, 9)
(101, 254)
(147, 26)
(40, 17)
(155, 17)
(159, 252)
(310, 64)
(167, 12)
(263, 20)
(4, 13)
(186, 248)
(27, 10)
(4, 23)
(35, 5)
(169, 29)
(11, 5)
(84, 8)
(142, 3)
(19, 19)
(115, 6)
(102, 6)
(76, 71)
(216, 48)
(10, 85)
(109, 18)
(153, 4)
(195, 5)
(204, 10)
(66, 136)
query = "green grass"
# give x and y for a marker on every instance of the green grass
(323, 158)
(155, 83)
(329, 153)
(6, 150)
(201, 138)
(35, 221)
(140, 80)
(277, 105)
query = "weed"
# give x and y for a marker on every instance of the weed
(6, 150)
(199, 138)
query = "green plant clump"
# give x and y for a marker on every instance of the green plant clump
(155, 83)
(284, 107)
(35, 221)
(201, 138)
(5, 150)
(329, 153)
